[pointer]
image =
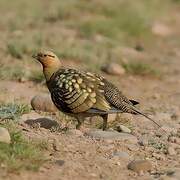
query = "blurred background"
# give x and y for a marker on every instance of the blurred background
(87, 33)
(135, 44)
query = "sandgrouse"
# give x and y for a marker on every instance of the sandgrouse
(83, 94)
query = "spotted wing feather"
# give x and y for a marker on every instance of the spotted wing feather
(74, 91)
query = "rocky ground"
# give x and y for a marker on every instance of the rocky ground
(133, 147)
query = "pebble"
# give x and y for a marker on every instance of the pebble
(133, 147)
(174, 139)
(144, 141)
(43, 103)
(122, 128)
(125, 117)
(60, 162)
(46, 123)
(75, 132)
(167, 178)
(171, 151)
(140, 166)
(56, 145)
(174, 175)
(121, 154)
(113, 69)
(4, 135)
(161, 29)
(112, 135)
(112, 117)
(159, 156)
(169, 130)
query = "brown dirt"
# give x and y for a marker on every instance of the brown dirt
(72, 155)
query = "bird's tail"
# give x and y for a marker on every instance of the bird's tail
(138, 112)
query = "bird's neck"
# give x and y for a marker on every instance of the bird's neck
(50, 70)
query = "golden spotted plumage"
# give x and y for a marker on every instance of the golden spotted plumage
(83, 94)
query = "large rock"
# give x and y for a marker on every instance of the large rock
(112, 135)
(140, 166)
(4, 135)
(113, 69)
(44, 103)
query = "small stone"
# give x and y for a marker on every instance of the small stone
(60, 162)
(118, 163)
(156, 96)
(177, 173)
(169, 130)
(171, 151)
(133, 147)
(174, 139)
(161, 29)
(4, 135)
(124, 129)
(46, 123)
(159, 156)
(56, 145)
(140, 166)
(112, 117)
(112, 135)
(125, 117)
(143, 141)
(113, 69)
(75, 132)
(173, 174)
(121, 154)
(43, 103)
(167, 178)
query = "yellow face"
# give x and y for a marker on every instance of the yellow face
(46, 58)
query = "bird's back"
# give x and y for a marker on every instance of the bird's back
(74, 91)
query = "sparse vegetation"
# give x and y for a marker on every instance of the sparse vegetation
(14, 50)
(13, 110)
(140, 35)
(11, 73)
(20, 153)
(89, 31)
(139, 68)
(36, 76)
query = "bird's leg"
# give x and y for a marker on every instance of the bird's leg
(80, 121)
(105, 118)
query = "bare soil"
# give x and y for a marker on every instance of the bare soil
(73, 155)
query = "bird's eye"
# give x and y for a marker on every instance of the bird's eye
(51, 56)
(45, 55)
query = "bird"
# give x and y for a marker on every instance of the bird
(83, 94)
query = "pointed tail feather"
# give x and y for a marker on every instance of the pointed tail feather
(138, 112)
(147, 117)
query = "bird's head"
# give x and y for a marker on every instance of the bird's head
(49, 61)
(46, 58)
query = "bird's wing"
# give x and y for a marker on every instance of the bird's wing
(75, 91)
(115, 97)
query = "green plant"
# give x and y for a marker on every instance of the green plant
(14, 50)
(20, 153)
(13, 110)
(11, 73)
(139, 68)
(36, 76)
